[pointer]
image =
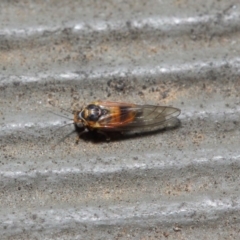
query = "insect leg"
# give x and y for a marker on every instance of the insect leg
(80, 134)
(105, 134)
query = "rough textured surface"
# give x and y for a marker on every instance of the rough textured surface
(177, 184)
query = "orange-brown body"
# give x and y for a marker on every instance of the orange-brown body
(115, 116)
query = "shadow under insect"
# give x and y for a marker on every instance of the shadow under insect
(111, 136)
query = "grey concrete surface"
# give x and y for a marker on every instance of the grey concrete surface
(181, 183)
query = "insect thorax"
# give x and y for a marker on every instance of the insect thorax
(93, 112)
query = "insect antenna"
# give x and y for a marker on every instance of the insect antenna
(65, 110)
(62, 139)
(65, 137)
(72, 122)
(62, 127)
(60, 115)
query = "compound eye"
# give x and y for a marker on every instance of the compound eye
(93, 117)
(92, 107)
(94, 112)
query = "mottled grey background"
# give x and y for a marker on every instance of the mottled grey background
(176, 184)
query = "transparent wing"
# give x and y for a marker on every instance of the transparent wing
(134, 117)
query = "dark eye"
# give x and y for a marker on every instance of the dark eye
(94, 112)
(92, 107)
(93, 117)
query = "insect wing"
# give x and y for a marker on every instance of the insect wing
(118, 114)
(155, 118)
(126, 117)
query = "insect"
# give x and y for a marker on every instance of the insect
(124, 117)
